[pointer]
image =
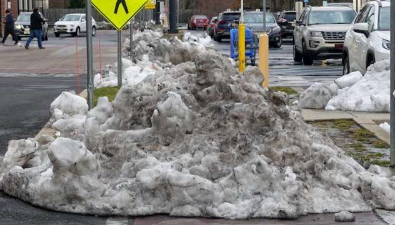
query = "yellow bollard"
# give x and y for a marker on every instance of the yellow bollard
(264, 58)
(242, 47)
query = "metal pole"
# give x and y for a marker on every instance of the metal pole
(131, 40)
(392, 88)
(242, 11)
(157, 10)
(119, 58)
(173, 17)
(264, 16)
(89, 51)
(178, 13)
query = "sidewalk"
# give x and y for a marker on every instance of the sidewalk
(369, 121)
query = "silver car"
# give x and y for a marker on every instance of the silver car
(320, 33)
(22, 26)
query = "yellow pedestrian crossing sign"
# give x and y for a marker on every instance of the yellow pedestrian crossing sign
(119, 12)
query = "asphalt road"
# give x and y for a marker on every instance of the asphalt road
(30, 81)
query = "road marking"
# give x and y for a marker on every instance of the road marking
(119, 221)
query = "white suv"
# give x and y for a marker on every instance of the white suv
(368, 39)
(73, 24)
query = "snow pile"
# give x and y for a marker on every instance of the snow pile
(386, 127)
(197, 139)
(317, 96)
(370, 93)
(344, 216)
(152, 53)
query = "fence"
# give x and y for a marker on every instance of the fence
(53, 15)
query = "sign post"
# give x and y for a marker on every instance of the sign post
(118, 13)
(89, 51)
(392, 86)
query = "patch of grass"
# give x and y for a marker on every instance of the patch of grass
(357, 147)
(110, 92)
(343, 124)
(362, 133)
(318, 123)
(287, 90)
(381, 162)
(380, 144)
(376, 155)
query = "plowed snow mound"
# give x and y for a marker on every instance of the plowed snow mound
(198, 139)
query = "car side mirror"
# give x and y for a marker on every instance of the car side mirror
(83, 20)
(362, 28)
(299, 22)
(215, 21)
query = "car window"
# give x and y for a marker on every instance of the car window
(71, 18)
(331, 17)
(362, 13)
(83, 18)
(258, 18)
(290, 16)
(303, 16)
(370, 18)
(24, 18)
(231, 16)
(384, 19)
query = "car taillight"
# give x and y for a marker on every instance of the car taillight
(222, 22)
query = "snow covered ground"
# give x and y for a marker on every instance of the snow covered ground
(353, 92)
(195, 138)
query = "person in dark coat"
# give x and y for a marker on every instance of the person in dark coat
(9, 28)
(36, 27)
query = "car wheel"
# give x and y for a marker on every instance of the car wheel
(307, 60)
(57, 35)
(346, 66)
(189, 27)
(19, 38)
(77, 32)
(370, 61)
(279, 43)
(46, 37)
(93, 31)
(297, 56)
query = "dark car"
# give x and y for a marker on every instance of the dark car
(22, 26)
(198, 21)
(285, 21)
(225, 24)
(211, 26)
(254, 21)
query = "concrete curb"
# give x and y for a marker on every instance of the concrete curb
(365, 120)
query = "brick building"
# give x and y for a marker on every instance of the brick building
(59, 4)
(4, 5)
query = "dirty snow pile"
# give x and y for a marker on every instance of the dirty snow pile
(197, 139)
(353, 92)
(152, 53)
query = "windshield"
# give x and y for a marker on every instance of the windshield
(258, 18)
(71, 18)
(24, 18)
(290, 16)
(231, 16)
(384, 23)
(331, 17)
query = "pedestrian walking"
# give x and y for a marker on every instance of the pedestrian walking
(9, 28)
(36, 26)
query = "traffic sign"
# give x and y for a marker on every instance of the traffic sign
(119, 12)
(151, 4)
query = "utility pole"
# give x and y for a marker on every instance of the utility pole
(157, 13)
(173, 17)
(392, 86)
(89, 51)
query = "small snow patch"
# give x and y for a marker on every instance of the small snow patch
(344, 216)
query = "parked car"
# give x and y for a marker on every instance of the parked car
(320, 33)
(22, 26)
(368, 39)
(347, 4)
(286, 21)
(225, 24)
(254, 21)
(211, 26)
(73, 24)
(198, 21)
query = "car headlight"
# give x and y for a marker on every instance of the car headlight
(18, 26)
(276, 29)
(72, 25)
(316, 33)
(386, 44)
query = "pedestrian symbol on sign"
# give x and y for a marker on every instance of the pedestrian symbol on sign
(125, 7)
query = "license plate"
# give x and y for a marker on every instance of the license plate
(339, 46)
(27, 31)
